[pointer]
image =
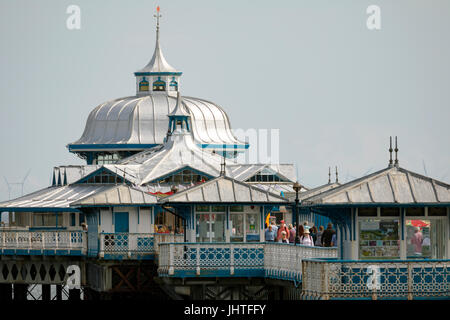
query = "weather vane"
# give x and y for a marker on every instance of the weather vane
(157, 16)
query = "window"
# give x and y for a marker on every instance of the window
(143, 85)
(379, 239)
(437, 211)
(425, 239)
(159, 85)
(415, 212)
(266, 175)
(210, 227)
(104, 177)
(47, 219)
(107, 158)
(367, 212)
(173, 86)
(390, 212)
(184, 177)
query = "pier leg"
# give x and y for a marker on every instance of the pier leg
(74, 294)
(5, 292)
(58, 292)
(46, 292)
(20, 292)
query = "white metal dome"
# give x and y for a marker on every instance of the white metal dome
(143, 120)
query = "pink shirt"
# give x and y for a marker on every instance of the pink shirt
(417, 240)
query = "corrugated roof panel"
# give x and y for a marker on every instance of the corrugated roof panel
(360, 194)
(258, 195)
(196, 195)
(381, 190)
(338, 198)
(211, 192)
(424, 189)
(242, 193)
(226, 190)
(401, 187)
(443, 193)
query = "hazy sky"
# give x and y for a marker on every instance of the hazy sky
(311, 68)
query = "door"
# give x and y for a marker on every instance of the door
(121, 223)
(121, 228)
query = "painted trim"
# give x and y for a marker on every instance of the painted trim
(119, 146)
(223, 146)
(158, 73)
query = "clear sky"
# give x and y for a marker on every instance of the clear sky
(311, 68)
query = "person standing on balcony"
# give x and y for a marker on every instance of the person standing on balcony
(306, 239)
(318, 242)
(313, 232)
(283, 238)
(291, 233)
(327, 236)
(417, 241)
(274, 228)
(269, 234)
(282, 228)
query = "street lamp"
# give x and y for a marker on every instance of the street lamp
(297, 188)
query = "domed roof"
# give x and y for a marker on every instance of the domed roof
(143, 120)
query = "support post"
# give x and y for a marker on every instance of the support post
(58, 292)
(5, 292)
(20, 292)
(46, 292)
(74, 294)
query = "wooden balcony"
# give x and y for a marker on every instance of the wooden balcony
(60, 242)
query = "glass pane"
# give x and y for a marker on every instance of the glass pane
(415, 212)
(237, 227)
(437, 212)
(252, 227)
(236, 208)
(390, 212)
(202, 208)
(218, 227)
(425, 239)
(218, 208)
(367, 212)
(203, 227)
(378, 239)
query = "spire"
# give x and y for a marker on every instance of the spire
(396, 151)
(329, 175)
(390, 153)
(223, 167)
(158, 63)
(337, 179)
(178, 118)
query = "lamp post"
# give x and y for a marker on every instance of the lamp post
(297, 188)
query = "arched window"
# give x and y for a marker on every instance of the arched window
(143, 85)
(159, 85)
(173, 86)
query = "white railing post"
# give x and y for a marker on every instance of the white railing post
(102, 245)
(231, 259)
(17, 240)
(197, 269)
(170, 262)
(56, 239)
(30, 246)
(410, 279)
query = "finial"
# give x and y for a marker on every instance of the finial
(337, 179)
(396, 151)
(329, 175)
(124, 172)
(157, 16)
(390, 152)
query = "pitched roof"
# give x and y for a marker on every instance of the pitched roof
(391, 185)
(117, 195)
(53, 197)
(224, 190)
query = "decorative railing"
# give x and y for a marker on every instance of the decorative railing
(132, 245)
(282, 261)
(404, 279)
(42, 242)
(211, 259)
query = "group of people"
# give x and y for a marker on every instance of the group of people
(308, 236)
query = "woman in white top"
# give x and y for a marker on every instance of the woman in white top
(306, 239)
